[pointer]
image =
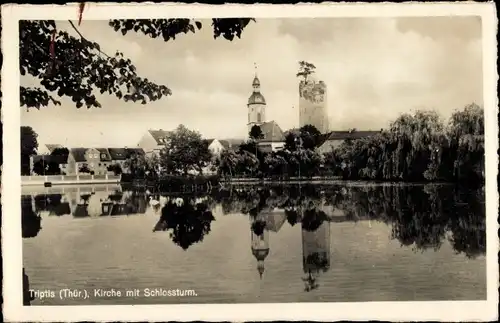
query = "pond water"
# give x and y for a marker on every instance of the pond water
(330, 243)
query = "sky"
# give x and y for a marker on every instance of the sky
(374, 68)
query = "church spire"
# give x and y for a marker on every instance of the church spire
(256, 81)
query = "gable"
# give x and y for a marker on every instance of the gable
(78, 154)
(159, 135)
(104, 154)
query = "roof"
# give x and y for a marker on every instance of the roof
(233, 143)
(226, 144)
(350, 134)
(260, 254)
(208, 141)
(256, 98)
(346, 134)
(79, 154)
(51, 147)
(159, 135)
(256, 81)
(137, 151)
(275, 220)
(272, 132)
(104, 154)
(37, 158)
(118, 153)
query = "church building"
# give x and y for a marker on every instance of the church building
(273, 137)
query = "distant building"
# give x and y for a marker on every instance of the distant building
(312, 104)
(153, 141)
(216, 146)
(84, 159)
(119, 156)
(104, 161)
(233, 144)
(334, 139)
(273, 137)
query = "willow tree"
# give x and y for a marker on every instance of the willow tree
(466, 132)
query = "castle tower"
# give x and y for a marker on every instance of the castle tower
(312, 104)
(256, 105)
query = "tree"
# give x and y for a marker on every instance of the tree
(46, 167)
(305, 69)
(466, 132)
(310, 136)
(227, 162)
(76, 68)
(185, 151)
(290, 142)
(115, 168)
(256, 133)
(29, 146)
(188, 223)
(85, 169)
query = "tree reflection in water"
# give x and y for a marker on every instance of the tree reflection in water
(31, 224)
(187, 222)
(31, 221)
(420, 217)
(53, 203)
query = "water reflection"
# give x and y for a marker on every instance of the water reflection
(420, 217)
(187, 220)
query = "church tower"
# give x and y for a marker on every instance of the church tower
(256, 105)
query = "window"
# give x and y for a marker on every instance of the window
(259, 117)
(103, 156)
(99, 164)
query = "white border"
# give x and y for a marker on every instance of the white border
(391, 311)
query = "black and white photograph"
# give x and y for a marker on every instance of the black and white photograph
(241, 158)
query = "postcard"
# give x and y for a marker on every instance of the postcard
(174, 162)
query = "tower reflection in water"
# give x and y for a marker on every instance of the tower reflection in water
(315, 234)
(315, 247)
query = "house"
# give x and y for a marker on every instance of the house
(216, 146)
(104, 161)
(153, 141)
(84, 161)
(334, 139)
(118, 156)
(134, 151)
(232, 144)
(273, 137)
